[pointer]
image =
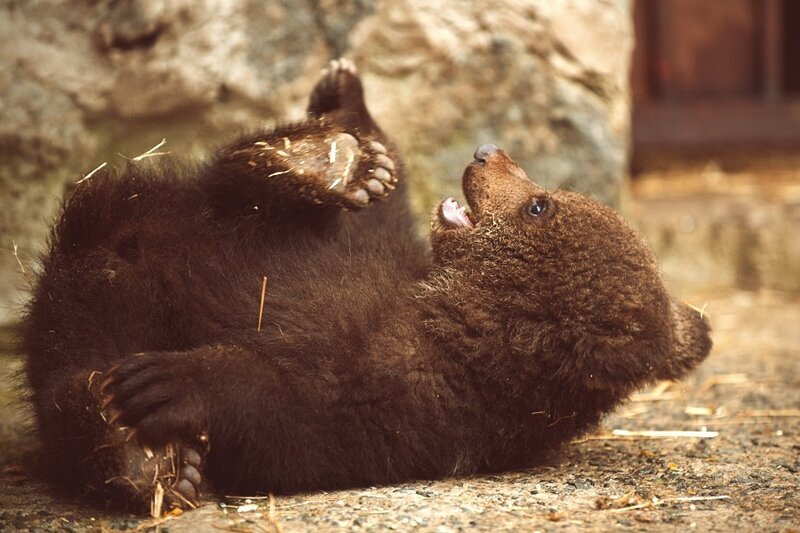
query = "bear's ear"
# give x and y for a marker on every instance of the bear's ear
(691, 335)
(646, 348)
(621, 363)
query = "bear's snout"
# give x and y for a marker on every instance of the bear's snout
(493, 180)
(484, 151)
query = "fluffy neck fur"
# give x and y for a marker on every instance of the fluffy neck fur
(498, 373)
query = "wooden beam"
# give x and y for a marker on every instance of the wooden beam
(773, 49)
(717, 122)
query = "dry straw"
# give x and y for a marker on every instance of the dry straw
(16, 256)
(92, 173)
(261, 306)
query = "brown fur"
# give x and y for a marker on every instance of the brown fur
(378, 361)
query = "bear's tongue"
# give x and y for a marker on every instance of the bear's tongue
(454, 215)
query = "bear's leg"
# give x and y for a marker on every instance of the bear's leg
(337, 158)
(339, 90)
(259, 412)
(85, 447)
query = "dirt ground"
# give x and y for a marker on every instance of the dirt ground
(740, 472)
(746, 478)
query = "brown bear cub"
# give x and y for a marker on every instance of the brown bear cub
(377, 360)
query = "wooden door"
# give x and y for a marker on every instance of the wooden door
(714, 72)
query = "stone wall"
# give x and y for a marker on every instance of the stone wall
(84, 80)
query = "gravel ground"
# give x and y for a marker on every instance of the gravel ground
(745, 478)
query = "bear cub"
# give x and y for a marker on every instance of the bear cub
(159, 373)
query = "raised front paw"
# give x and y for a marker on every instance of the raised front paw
(337, 158)
(155, 396)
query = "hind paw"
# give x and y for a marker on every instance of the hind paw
(158, 479)
(335, 160)
(339, 87)
(185, 487)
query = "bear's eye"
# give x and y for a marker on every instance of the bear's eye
(537, 207)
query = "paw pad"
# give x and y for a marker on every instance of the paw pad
(379, 179)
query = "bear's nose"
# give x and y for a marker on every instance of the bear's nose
(484, 151)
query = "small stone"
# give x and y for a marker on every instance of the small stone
(247, 508)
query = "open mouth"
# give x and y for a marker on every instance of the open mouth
(454, 215)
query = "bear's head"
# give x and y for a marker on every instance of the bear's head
(551, 290)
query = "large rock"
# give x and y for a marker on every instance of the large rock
(82, 81)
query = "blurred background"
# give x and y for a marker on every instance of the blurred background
(684, 114)
(715, 131)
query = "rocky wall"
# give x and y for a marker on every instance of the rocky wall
(82, 81)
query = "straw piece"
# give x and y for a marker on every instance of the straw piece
(90, 174)
(771, 413)
(158, 501)
(657, 434)
(152, 151)
(701, 310)
(261, 307)
(695, 410)
(332, 155)
(668, 501)
(724, 379)
(21, 268)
